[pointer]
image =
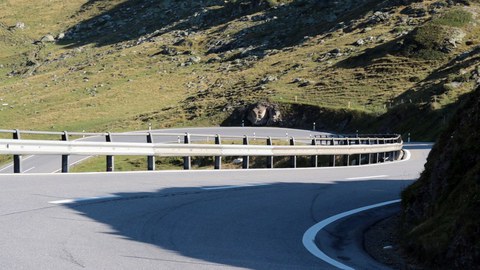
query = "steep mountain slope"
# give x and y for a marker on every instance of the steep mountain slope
(122, 64)
(442, 225)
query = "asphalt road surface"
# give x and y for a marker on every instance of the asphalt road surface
(236, 219)
(51, 163)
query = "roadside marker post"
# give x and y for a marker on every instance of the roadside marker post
(65, 157)
(17, 159)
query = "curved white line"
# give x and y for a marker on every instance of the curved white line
(309, 236)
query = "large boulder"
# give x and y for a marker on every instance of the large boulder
(264, 114)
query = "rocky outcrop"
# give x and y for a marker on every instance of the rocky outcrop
(264, 114)
(440, 211)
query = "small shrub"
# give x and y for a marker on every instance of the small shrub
(428, 42)
(430, 36)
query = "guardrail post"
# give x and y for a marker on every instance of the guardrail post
(218, 159)
(110, 159)
(348, 160)
(293, 159)
(187, 161)
(150, 159)
(314, 159)
(65, 157)
(269, 158)
(246, 159)
(17, 159)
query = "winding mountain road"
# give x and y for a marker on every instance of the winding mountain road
(236, 219)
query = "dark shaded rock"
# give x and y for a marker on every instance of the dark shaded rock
(440, 211)
(416, 10)
(264, 114)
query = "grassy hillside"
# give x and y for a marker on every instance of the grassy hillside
(121, 64)
(441, 221)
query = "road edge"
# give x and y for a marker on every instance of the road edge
(309, 236)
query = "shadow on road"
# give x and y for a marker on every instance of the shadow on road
(418, 146)
(257, 227)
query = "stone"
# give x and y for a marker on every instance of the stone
(269, 78)
(48, 38)
(20, 25)
(306, 83)
(336, 50)
(168, 51)
(297, 80)
(416, 10)
(214, 59)
(456, 37)
(366, 29)
(360, 42)
(106, 17)
(237, 161)
(264, 114)
(379, 17)
(61, 36)
(195, 59)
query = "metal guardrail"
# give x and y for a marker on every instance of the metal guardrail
(367, 148)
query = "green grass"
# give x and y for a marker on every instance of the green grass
(106, 88)
(127, 163)
(454, 18)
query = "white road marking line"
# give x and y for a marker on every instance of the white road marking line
(11, 165)
(309, 236)
(27, 170)
(74, 163)
(6, 167)
(232, 187)
(77, 200)
(366, 177)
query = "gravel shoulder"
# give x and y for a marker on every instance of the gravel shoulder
(382, 242)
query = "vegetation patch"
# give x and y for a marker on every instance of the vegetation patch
(454, 18)
(440, 36)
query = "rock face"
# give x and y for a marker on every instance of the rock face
(441, 220)
(264, 114)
